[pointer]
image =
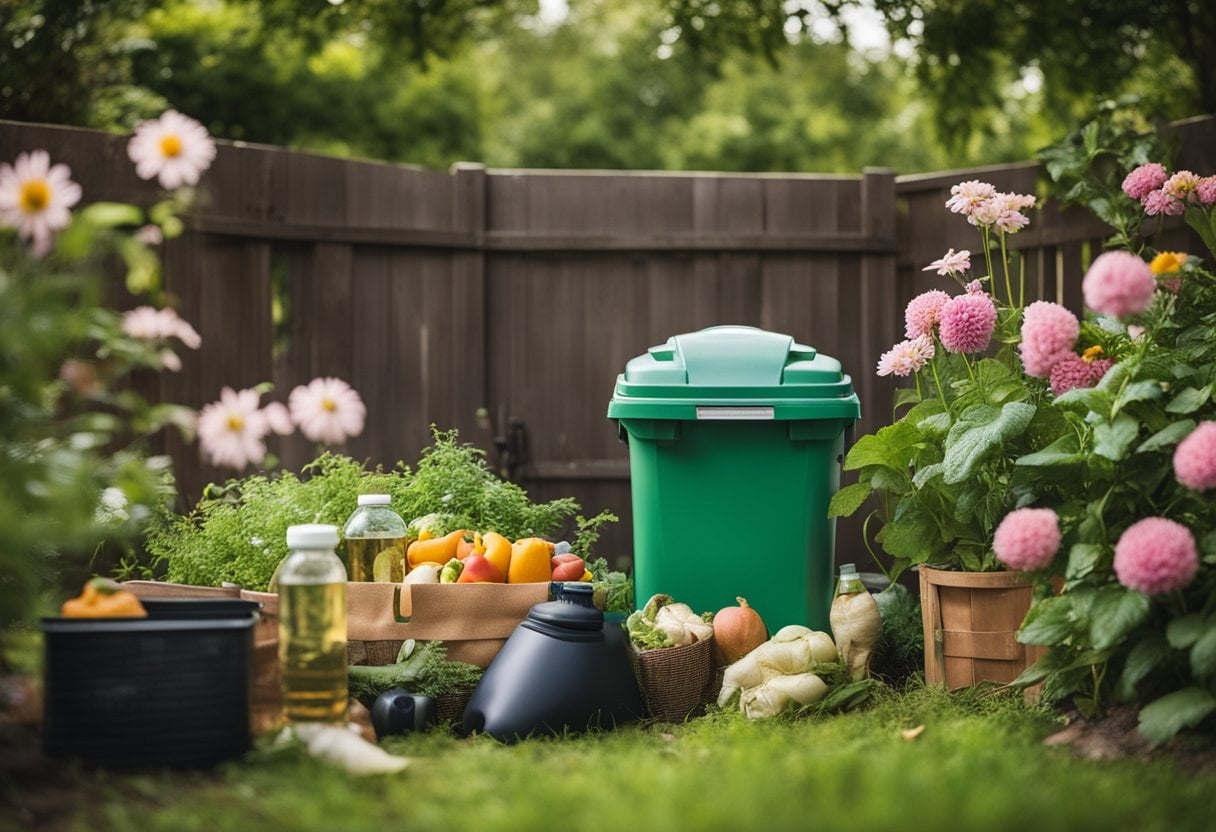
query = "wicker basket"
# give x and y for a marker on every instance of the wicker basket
(676, 681)
(450, 707)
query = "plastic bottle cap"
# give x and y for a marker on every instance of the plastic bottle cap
(374, 499)
(312, 536)
(848, 569)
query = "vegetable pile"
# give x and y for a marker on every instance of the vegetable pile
(422, 666)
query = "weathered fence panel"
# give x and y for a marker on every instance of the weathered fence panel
(504, 303)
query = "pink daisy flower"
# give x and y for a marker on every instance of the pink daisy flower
(1118, 284)
(36, 198)
(1069, 373)
(966, 323)
(906, 357)
(951, 262)
(174, 148)
(1027, 539)
(922, 313)
(278, 418)
(1156, 555)
(327, 410)
(150, 324)
(965, 196)
(1144, 179)
(231, 431)
(1159, 202)
(1195, 458)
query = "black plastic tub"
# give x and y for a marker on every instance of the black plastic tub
(169, 690)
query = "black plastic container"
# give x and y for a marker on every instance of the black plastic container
(561, 669)
(169, 690)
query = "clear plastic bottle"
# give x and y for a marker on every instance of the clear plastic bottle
(856, 622)
(375, 541)
(312, 627)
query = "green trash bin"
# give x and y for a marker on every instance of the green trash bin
(735, 439)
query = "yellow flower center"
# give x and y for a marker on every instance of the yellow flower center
(329, 404)
(171, 146)
(1091, 354)
(235, 423)
(1167, 262)
(34, 197)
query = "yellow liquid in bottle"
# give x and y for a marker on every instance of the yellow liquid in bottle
(375, 559)
(312, 651)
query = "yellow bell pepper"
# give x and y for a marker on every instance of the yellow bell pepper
(103, 598)
(530, 561)
(497, 551)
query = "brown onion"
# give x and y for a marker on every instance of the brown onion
(737, 631)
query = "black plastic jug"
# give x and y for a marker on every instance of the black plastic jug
(560, 670)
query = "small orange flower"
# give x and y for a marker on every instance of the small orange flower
(1091, 354)
(1167, 262)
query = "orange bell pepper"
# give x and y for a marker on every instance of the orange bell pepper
(103, 598)
(530, 561)
(435, 550)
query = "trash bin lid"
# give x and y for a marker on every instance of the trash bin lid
(733, 373)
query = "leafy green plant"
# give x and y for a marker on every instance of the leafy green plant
(238, 533)
(1087, 166)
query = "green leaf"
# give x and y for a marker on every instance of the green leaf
(848, 499)
(1163, 718)
(1114, 614)
(1111, 439)
(1137, 392)
(1207, 545)
(1082, 558)
(1064, 451)
(904, 396)
(979, 431)
(110, 214)
(1049, 622)
(1188, 399)
(1143, 659)
(1167, 437)
(911, 534)
(926, 474)
(891, 447)
(1185, 631)
(1086, 399)
(1203, 654)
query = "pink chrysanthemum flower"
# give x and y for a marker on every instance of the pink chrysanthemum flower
(952, 262)
(1048, 333)
(1156, 555)
(975, 287)
(986, 213)
(1206, 189)
(906, 357)
(1012, 221)
(150, 235)
(174, 148)
(1069, 373)
(965, 196)
(1181, 186)
(1100, 368)
(1195, 458)
(1118, 284)
(1159, 202)
(966, 323)
(36, 198)
(1134, 332)
(230, 431)
(327, 410)
(922, 313)
(1027, 539)
(1144, 179)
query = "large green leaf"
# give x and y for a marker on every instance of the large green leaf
(848, 499)
(911, 534)
(980, 431)
(1145, 656)
(1050, 621)
(1082, 558)
(1164, 717)
(1188, 399)
(1203, 654)
(892, 447)
(1064, 451)
(1185, 631)
(1138, 391)
(1115, 613)
(1168, 436)
(1111, 439)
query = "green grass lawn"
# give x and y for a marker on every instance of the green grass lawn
(980, 764)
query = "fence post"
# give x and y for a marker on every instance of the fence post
(469, 296)
(879, 303)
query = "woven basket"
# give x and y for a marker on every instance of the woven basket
(675, 681)
(450, 707)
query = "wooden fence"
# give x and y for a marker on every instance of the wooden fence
(504, 303)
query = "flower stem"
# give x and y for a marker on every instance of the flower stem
(967, 364)
(941, 392)
(1005, 266)
(988, 259)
